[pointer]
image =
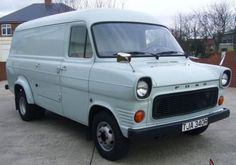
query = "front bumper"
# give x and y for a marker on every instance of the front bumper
(174, 128)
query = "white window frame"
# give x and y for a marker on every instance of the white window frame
(7, 28)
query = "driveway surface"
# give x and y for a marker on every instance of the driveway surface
(60, 141)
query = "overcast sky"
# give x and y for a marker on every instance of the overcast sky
(164, 10)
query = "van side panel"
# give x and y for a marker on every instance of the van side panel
(36, 54)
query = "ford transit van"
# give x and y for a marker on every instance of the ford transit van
(121, 73)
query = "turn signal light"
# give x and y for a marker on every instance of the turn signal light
(221, 100)
(139, 116)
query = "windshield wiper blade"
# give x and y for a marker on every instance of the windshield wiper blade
(170, 54)
(135, 53)
(157, 55)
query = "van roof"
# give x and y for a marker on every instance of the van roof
(91, 16)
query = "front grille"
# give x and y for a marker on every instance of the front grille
(184, 102)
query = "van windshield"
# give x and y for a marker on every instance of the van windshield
(137, 38)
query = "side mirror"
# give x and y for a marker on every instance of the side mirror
(123, 57)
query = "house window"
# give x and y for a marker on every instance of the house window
(6, 30)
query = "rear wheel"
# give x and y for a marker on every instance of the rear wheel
(197, 131)
(109, 141)
(27, 111)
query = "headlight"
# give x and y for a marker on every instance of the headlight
(225, 78)
(144, 86)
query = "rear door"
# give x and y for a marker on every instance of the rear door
(75, 71)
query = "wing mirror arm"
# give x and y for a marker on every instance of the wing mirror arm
(125, 58)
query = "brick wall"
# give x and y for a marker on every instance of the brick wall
(3, 71)
(230, 62)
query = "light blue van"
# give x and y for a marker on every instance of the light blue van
(121, 73)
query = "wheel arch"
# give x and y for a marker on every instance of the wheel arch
(22, 83)
(95, 109)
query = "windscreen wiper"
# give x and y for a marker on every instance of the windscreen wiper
(170, 54)
(159, 54)
(136, 53)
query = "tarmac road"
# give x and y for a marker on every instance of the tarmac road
(60, 141)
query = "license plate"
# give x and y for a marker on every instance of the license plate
(194, 124)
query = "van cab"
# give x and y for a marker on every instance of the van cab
(119, 72)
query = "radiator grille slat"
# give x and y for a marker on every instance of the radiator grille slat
(184, 102)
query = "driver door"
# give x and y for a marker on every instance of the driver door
(75, 74)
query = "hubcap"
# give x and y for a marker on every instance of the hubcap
(22, 105)
(105, 136)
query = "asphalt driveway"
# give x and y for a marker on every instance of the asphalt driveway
(57, 140)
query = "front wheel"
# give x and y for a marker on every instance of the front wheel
(109, 141)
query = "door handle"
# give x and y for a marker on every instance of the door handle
(37, 65)
(61, 68)
(58, 69)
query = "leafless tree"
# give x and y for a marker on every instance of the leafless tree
(85, 4)
(205, 30)
(234, 25)
(215, 20)
(210, 22)
(178, 30)
(186, 26)
(65, 5)
(220, 18)
(186, 29)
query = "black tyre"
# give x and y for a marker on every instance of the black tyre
(109, 141)
(25, 109)
(197, 131)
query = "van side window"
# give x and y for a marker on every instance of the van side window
(80, 45)
(40, 41)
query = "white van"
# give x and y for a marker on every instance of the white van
(121, 73)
